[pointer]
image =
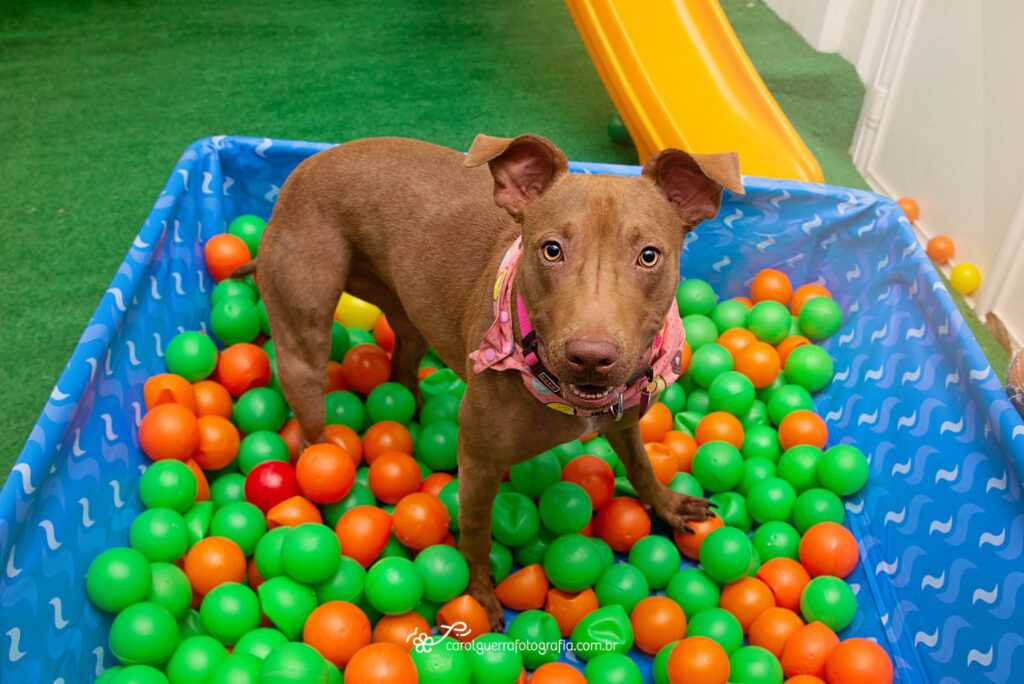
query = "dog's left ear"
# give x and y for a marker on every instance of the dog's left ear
(523, 167)
(693, 182)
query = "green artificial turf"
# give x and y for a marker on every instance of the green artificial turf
(101, 97)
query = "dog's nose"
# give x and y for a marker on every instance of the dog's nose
(593, 357)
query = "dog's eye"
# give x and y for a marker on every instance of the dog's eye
(552, 251)
(648, 257)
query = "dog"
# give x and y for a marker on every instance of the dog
(541, 289)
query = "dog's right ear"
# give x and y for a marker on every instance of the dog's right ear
(522, 167)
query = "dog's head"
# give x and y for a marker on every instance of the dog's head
(600, 261)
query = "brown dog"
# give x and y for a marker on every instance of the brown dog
(420, 230)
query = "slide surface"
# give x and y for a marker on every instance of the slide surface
(680, 78)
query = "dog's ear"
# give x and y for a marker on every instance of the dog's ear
(693, 182)
(523, 167)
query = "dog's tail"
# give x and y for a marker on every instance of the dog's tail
(245, 269)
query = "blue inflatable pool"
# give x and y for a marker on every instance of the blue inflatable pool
(940, 525)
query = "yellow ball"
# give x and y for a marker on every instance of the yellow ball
(353, 312)
(965, 278)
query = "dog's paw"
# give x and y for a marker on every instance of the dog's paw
(679, 509)
(484, 594)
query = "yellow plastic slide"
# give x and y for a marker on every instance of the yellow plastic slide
(680, 78)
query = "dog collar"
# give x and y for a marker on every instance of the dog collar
(499, 351)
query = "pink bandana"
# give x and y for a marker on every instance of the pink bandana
(499, 351)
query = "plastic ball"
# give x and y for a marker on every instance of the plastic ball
(390, 401)
(689, 543)
(719, 426)
(237, 668)
(657, 558)
(195, 659)
(229, 611)
(773, 628)
(534, 476)
(214, 561)
(394, 586)
(235, 320)
(259, 642)
(192, 355)
(565, 508)
(858, 660)
(441, 407)
(771, 285)
(363, 532)
(843, 469)
(310, 553)
(698, 659)
(732, 392)
(168, 484)
(761, 441)
(605, 630)
(816, 506)
(224, 253)
(755, 665)
(809, 367)
(776, 539)
(746, 600)
(228, 488)
(365, 367)
(493, 659)
(612, 668)
(437, 445)
(771, 499)
(829, 600)
(159, 534)
(261, 446)
(169, 431)
(621, 584)
(525, 589)
(798, 466)
(820, 318)
(807, 650)
(910, 208)
(143, 634)
(695, 296)
(294, 663)
(719, 625)
(769, 321)
(270, 483)
(170, 589)
(787, 399)
(444, 571)
(755, 470)
(386, 436)
(514, 519)
(656, 621)
(287, 604)
(710, 361)
(260, 409)
(622, 523)
(248, 228)
(829, 549)
(940, 249)
(760, 363)
(168, 388)
(344, 408)
(594, 475)
(718, 466)
(533, 632)
(730, 314)
(337, 630)
(325, 473)
(118, 578)
(804, 294)
(700, 331)
(731, 507)
(134, 674)
(242, 367)
(727, 555)
(572, 563)
(420, 520)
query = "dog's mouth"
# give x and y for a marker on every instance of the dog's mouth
(590, 396)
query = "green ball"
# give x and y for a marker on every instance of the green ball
(261, 306)
(234, 320)
(536, 635)
(794, 326)
(761, 441)
(191, 625)
(260, 447)
(195, 659)
(732, 509)
(843, 469)
(138, 674)
(226, 489)
(605, 630)
(514, 519)
(829, 600)
(393, 547)
(259, 643)
(359, 495)
(776, 539)
(659, 668)
(809, 367)
(171, 589)
(444, 571)
(685, 483)
(815, 506)
(769, 321)
(755, 470)
(674, 397)
(730, 314)
(248, 228)
(358, 336)
(500, 561)
(695, 296)
(168, 484)
(192, 355)
(771, 499)
(604, 552)
(160, 535)
(799, 466)
(657, 558)
(394, 585)
(534, 476)
(613, 668)
(718, 466)
(568, 451)
(618, 132)
(118, 578)
(390, 401)
(229, 611)
(693, 590)
(755, 665)
(341, 342)
(197, 520)
(493, 659)
(621, 585)
(441, 407)
(726, 555)
(227, 289)
(699, 401)
(700, 330)
(143, 634)
(237, 668)
(718, 625)
(532, 552)
(572, 562)
(565, 508)
(765, 393)
(442, 661)
(708, 362)
(756, 415)
(437, 445)
(820, 318)
(787, 399)
(287, 604)
(449, 496)
(293, 663)
(242, 523)
(310, 553)
(344, 408)
(260, 408)
(346, 584)
(731, 392)
(268, 552)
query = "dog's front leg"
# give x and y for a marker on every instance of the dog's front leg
(674, 508)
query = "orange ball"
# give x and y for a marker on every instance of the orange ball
(683, 446)
(347, 439)
(398, 629)
(622, 523)
(420, 520)
(858, 660)
(594, 475)
(468, 610)
(293, 511)
(910, 208)
(363, 532)
(802, 427)
(169, 431)
(212, 399)
(385, 436)
(807, 649)
(828, 549)
(202, 484)
(325, 473)
(557, 673)
(771, 285)
(383, 335)
(433, 484)
(224, 253)
(805, 679)
(291, 433)
(218, 443)
(759, 362)
(787, 579)
(719, 426)
(940, 249)
(381, 663)
(365, 366)
(787, 346)
(525, 589)
(657, 620)
(804, 294)
(394, 475)
(698, 660)
(168, 388)
(689, 544)
(663, 460)
(241, 367)
(337, 629)
(214, 561)
(655, 423)
(745, 301)
(568, 608)
(772, 629)
(736, 340)
(747, 599)
(687, 355)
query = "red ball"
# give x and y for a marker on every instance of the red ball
(270, 483)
